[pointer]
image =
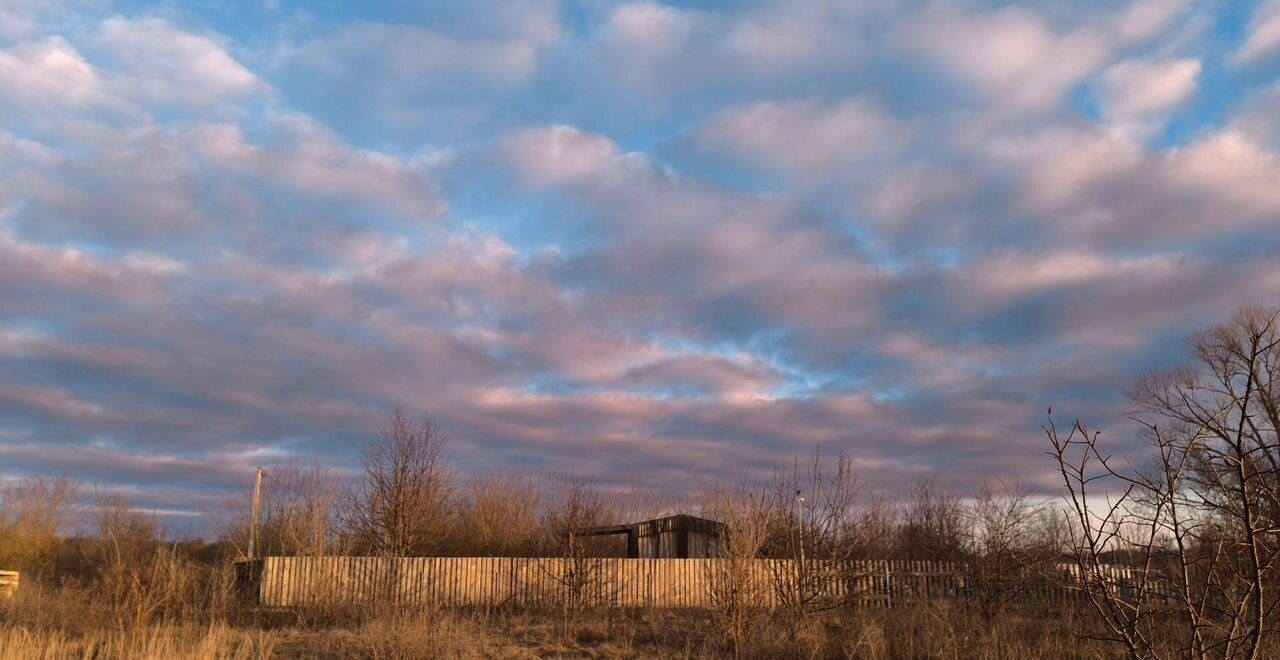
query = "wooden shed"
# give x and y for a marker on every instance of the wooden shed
(672, 537)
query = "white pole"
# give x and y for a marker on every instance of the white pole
(800, 523)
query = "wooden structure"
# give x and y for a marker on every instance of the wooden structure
(673, 537)
(8, 583)
(537, 582)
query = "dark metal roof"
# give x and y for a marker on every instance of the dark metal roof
(645, 527)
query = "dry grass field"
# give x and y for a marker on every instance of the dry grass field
(69, 624)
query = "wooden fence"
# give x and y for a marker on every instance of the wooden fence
(8, 583)
(530, 582)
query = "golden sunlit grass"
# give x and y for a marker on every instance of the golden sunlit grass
(63, 624)
(217, 642)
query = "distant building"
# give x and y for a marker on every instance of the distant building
(672, 537)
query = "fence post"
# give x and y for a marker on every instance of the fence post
(888, 584)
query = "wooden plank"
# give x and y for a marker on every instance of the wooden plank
(9, 582)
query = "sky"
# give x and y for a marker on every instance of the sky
(653, 244)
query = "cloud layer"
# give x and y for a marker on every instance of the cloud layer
(631, 240)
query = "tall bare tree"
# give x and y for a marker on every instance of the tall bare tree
(816, 533)
(400, 504)
(1200, 527)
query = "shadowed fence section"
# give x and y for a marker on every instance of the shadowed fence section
(534, 582)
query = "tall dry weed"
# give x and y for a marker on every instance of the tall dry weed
(217, 642)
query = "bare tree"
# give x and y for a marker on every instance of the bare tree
(1200, 527)
(875, 528)
(298, 511)
(124, 533)
(816, 534)
(932, 525)
(1006, 548)
(739, 590)
(400, 504)
(574, 506)
(1107, 524)
(497, 516)
(34, 512)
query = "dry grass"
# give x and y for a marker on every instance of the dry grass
(217, 642)
(71, 623)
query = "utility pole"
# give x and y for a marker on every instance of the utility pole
(253, 516)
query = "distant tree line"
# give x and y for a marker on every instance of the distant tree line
(407, 500)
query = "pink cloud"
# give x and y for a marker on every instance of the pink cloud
(804, 138)
(1262, 38)
(161, 63)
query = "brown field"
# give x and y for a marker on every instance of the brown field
(70, 623)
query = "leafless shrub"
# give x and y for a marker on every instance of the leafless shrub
(1007, 548)
(497, 516)
(576, 505)
(932, 524)
(34, 513)
(298, 510)
(144, 578)
(400, 505)
(739, 590)
(875, 528)
(123, 533)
